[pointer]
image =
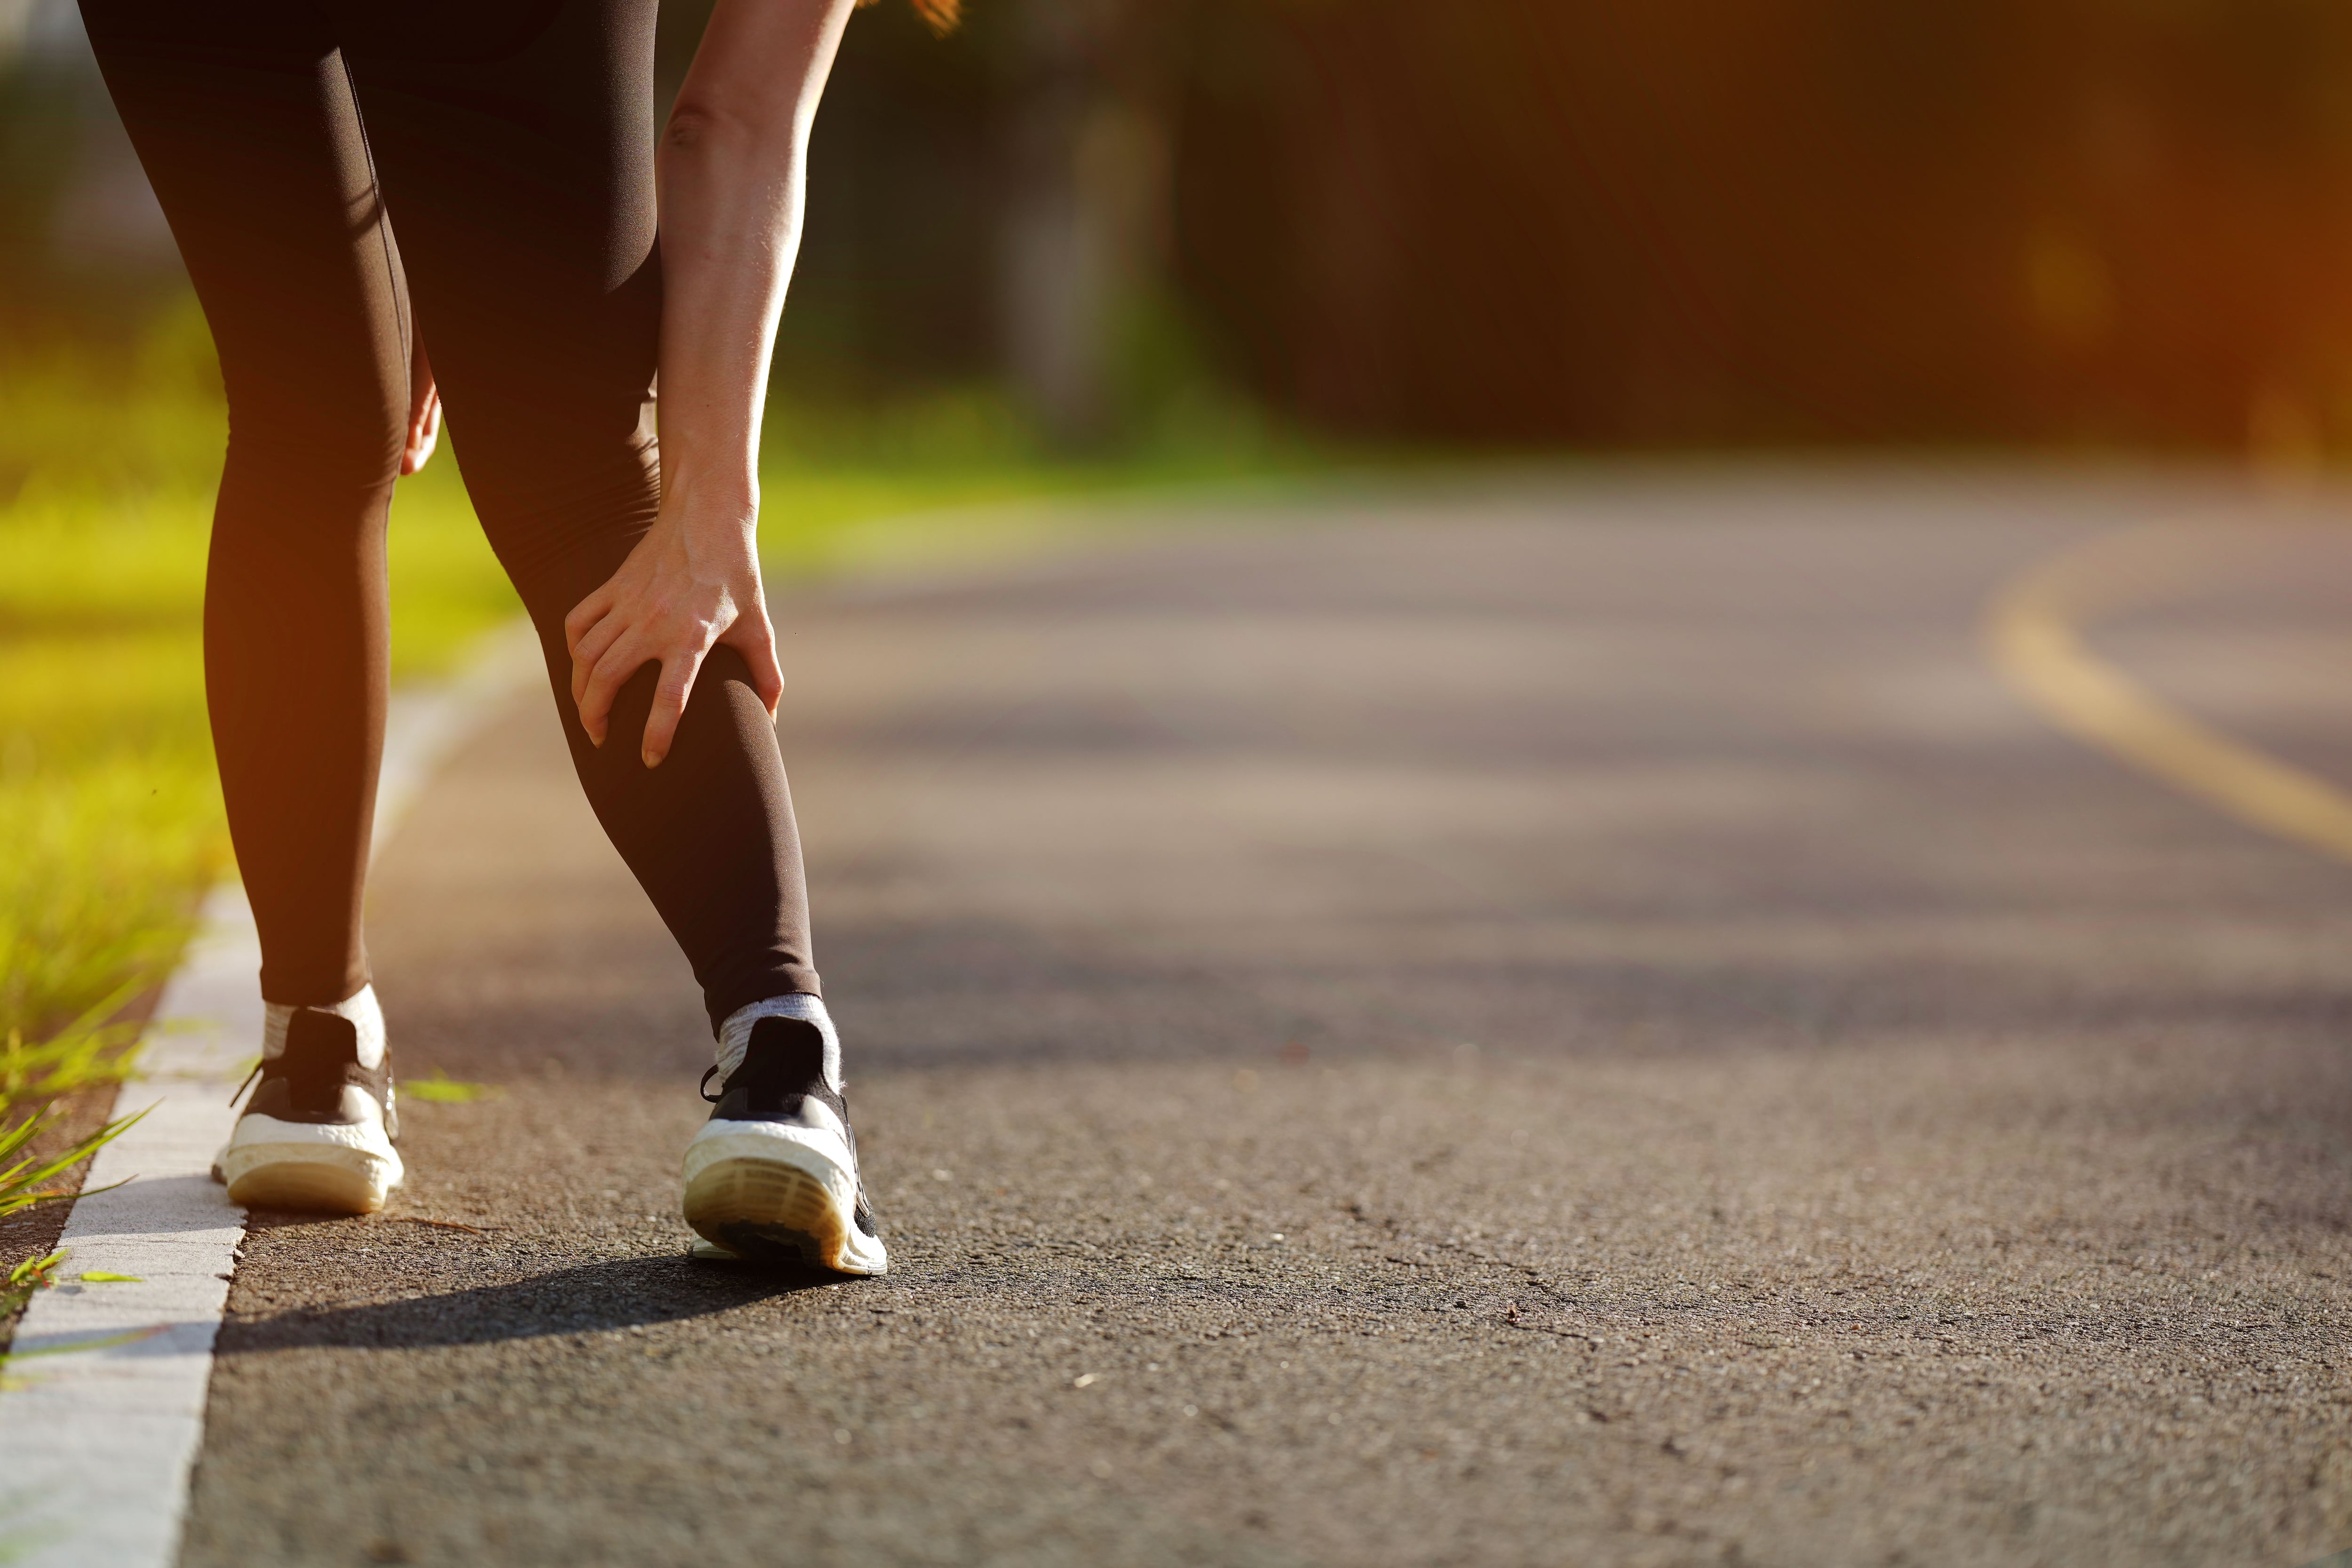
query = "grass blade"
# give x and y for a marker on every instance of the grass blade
(19, 1181)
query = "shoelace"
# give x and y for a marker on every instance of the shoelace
(261, 1062)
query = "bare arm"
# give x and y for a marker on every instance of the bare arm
(731, 170)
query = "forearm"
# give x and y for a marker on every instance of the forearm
(731, 172)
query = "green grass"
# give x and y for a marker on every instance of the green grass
(91, 1050)
(110, 810)
(86, 1051)
(17, 1285)
(439, 1088)
(107, 803)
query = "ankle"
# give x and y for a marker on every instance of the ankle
(735, 1033)
(366, 1016)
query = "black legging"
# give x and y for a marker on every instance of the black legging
(511, 142)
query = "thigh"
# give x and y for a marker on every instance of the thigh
(514, 143)
(243, 117)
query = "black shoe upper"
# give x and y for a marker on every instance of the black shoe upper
(305, 1082)
(783, 1065)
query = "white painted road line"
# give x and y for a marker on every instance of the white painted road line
(97, 1443)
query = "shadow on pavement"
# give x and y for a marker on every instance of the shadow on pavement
(620, 1293)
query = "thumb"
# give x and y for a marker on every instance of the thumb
(754, 636)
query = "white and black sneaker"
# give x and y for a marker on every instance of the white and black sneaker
(318, 1133)
(772, 1176)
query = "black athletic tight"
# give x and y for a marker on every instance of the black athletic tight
(342, 174)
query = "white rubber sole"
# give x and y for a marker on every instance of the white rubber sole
(770, 1191)
(270, 1164)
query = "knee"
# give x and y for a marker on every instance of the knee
(313, 453)
(561, 528)
(321, 429)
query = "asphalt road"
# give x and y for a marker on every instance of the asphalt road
(1545, 1023)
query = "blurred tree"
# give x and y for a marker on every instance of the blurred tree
(993, 200)
(85, 255)
(896, 280)
(1591, 221)
(1082, 268)
(1819, 219)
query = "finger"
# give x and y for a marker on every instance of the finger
(423, 412)
(586, 613)
(677, 684)
(424, 435)
(622, 661)
(591, 648)
(754, 636)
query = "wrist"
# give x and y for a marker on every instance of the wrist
(704, 502)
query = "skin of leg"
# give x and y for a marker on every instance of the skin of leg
(515, 150)
(243, 116)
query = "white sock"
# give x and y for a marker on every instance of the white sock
(735, 1033)
(362, 1010)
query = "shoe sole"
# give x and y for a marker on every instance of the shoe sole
(769, 1197)
(296, 1177)
(324, 1170)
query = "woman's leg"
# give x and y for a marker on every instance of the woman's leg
(243, 116)
(514, 143)
(513, 140)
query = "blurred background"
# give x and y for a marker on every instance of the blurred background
(2121, 222)
(1086, 243)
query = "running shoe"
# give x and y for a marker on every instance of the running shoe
(772, 1176)
(318, 1133)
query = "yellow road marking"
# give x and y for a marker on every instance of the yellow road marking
(2033, 632)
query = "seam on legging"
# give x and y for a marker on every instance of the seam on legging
(400, 314)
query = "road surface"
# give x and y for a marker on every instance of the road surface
(1562, 1020)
